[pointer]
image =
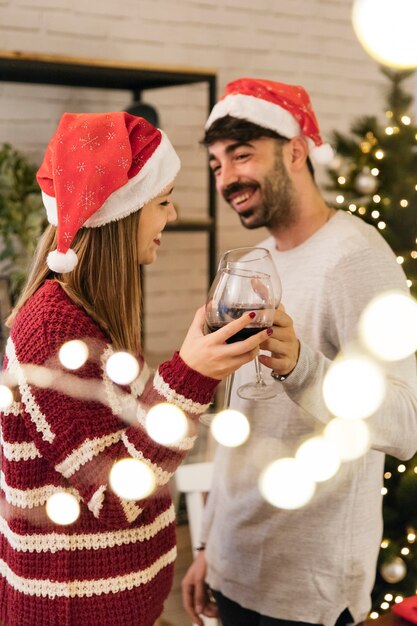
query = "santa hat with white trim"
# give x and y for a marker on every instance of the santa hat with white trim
(100, 167)
(285, 109)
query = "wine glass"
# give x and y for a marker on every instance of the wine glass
(260, 260)
(236, 291)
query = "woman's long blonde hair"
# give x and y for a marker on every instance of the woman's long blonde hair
(106, 281)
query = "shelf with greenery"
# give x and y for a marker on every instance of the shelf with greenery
(22, 216)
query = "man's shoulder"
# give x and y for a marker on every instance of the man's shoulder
(350, 234)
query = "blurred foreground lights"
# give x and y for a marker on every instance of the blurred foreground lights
(230, 428)
(349, 437)
(132, 479)
(62, 508)
(388, 326)
(73, 354)
(353, 387)
(166, 424)
(122, 368)
(286, 485)
(319, 458)
(386, 30)
(6, 397)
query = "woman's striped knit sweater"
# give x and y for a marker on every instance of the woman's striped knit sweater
(114, 565)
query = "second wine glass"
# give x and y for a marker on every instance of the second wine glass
(259, 260)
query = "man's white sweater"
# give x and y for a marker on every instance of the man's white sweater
(310, 564)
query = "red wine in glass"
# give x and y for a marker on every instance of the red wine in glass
(235, 312)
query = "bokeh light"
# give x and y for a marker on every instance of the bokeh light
(73, 354)
(122, 368)
(132, 479)
(353, 387)
(349, 437)
(62, 508)
(6, 397)
(386, 30)
(319, 458)
(166, 424)
(285, 484)
(230, 428)
(388, 326)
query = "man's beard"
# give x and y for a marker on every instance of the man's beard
(277, 191)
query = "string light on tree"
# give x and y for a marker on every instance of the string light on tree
(354, 387)
(6, 397)
(132, 479)
(390, 341)
(386, 30)
(349, 437)
(73, 354)
(230, 428)
(62, 508)
(319, 457)
(166, 424)
(285, 484)
(382, 171)
(122, 368)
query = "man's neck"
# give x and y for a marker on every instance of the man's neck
(310, 216)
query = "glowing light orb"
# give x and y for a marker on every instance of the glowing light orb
(230, 428)
(6, 397)
(166, 424)
(387, 30)
(132, 479)
(349, 437)
(73, 354)
(62, 508)
(319, 458)
(122, 368)
(388, 326)
(285, 484)
(353, 387)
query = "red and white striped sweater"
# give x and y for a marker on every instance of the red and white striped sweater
(114, 565)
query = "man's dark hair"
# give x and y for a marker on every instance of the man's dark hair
(233, 128)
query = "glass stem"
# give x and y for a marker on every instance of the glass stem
(228, 391)
(259, 377)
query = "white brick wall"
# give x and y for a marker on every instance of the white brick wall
(310, 42)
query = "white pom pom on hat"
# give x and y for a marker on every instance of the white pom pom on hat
(285, 109)
(99, 168)
(62, 262)
(322, 154)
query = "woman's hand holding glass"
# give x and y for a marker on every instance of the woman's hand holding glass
(211, 354)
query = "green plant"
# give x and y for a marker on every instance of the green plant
(22, 217)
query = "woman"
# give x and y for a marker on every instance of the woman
(106, 181)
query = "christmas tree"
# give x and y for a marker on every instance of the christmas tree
(374, 176)
(375, 173)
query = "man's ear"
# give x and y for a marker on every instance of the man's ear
(298, 147)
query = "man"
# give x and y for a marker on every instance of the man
(316, 564)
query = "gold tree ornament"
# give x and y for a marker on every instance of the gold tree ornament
(394, 571)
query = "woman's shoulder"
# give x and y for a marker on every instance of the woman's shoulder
(50, 318)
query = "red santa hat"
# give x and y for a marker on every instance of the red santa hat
(285, 109)
(99, 168)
